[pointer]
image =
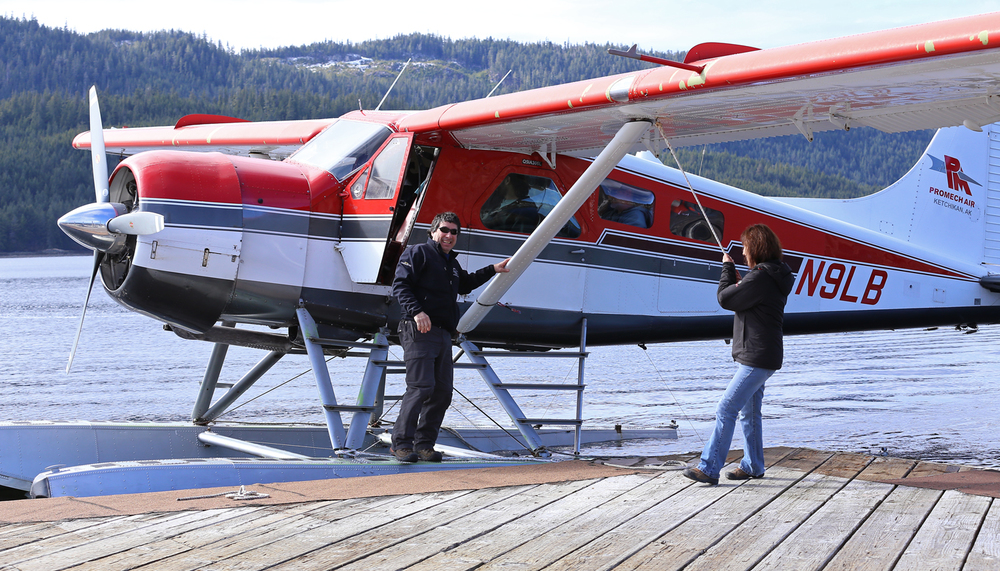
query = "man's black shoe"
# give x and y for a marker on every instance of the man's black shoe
(699, 476)
(405, 455)
(429, 455)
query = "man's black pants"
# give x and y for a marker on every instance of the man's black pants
(429, 384)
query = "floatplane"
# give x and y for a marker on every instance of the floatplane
(283, 236)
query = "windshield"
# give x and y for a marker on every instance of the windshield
(343, 147)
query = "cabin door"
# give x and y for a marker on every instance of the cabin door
(388, 195)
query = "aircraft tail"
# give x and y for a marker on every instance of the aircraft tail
(949, 202)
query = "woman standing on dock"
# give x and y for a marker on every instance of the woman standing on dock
(759, 303)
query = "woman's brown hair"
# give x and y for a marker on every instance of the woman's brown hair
(760, 244)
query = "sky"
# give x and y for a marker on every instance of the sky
(656, 25)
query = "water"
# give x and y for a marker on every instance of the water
(926, 395)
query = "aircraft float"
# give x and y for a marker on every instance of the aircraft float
(283, 236)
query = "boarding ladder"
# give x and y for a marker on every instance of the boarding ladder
(501, 390)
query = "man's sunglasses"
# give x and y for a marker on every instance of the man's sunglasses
(452, 231)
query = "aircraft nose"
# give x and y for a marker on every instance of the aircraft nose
(88, 226)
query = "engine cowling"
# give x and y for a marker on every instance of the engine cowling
(185, 274)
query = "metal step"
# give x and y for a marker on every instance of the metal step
(541, 386)
(552, 421)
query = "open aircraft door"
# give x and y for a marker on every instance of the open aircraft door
(388, 194)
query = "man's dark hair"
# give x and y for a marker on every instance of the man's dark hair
(449, 217)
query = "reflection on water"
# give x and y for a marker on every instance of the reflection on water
(917, 394)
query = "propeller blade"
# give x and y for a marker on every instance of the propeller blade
(97, 153)
(98, 257)
(99, 163)
(137, 223)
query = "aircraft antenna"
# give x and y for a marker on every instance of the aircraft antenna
(690, 186)
(400, 74)
(499, 82)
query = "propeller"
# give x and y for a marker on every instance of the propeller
(103, 225)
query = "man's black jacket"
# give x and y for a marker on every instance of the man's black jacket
(759, 302)
(429, 280)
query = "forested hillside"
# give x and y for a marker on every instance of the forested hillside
(154, 79)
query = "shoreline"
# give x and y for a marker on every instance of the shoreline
(51, 252)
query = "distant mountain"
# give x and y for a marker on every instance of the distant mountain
(155, 78)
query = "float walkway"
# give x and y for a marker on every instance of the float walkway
(813, 510)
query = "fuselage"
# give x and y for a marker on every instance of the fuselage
(247, 240)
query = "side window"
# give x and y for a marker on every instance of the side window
(521, 202)
(386, 168)
(625, 204)
(687, 221)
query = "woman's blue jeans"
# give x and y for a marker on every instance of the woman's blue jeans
(743, 398)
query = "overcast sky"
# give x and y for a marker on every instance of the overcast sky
(654, 24)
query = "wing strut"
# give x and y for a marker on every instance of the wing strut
(690, 187)
(628, 135)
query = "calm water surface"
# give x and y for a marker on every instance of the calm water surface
(927, 395)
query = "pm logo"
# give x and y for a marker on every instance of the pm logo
(957, 179)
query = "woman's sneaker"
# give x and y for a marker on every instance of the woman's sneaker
(739, 474)
(699, 476)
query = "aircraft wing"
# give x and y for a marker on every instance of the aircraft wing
(276, 139)
(918, 77)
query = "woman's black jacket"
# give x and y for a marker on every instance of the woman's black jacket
(759, 302)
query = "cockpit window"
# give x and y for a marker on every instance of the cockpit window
(687, 221)
(343, 147)
(625, 204)
(521, 202)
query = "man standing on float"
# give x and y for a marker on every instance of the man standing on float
(427, 284)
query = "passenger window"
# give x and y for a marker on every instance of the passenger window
(521, 202)
(386, 169)
(687, 221)
(625, 204)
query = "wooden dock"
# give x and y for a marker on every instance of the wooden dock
(813, 510)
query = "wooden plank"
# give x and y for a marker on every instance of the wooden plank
(759, 534)
(804, 459)
(124, 538)
(441, 538)
(249, 522)
(887, 468)
(286, 544)
(284, 539)
(818, 539)
(946, 537)
(71, 533)
(877, 544)
(844, 465)
(644, 527)
(985, 553)
(681, 544)
(923, 469)
(398, 532)
(31, 532)
(19, 534)
(486, 547)
(543, 550)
